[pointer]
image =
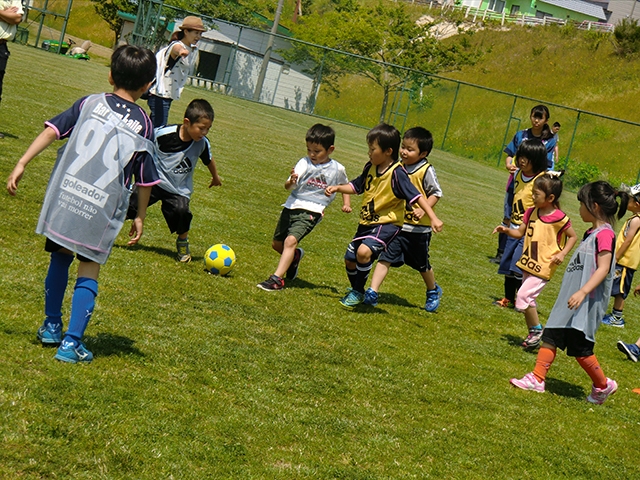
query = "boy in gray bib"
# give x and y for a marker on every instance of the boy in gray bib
(110, 142)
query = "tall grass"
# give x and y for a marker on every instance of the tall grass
(198, 376)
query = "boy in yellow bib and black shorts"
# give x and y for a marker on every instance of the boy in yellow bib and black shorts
(386, 187)
(411, 245)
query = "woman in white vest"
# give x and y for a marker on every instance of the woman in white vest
(176, 62)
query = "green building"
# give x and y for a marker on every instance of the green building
(577, 10)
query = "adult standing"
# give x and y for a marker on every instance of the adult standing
(176, 61)
(10, 16)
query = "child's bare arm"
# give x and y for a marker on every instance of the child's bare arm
(137, 225)
(431, 200)
(344, 188)
(634, 225)
(292, 180)
(510, 164)
(512, 232)
(572, 238)
(604, 264)
(346, 203)
(216, 181)
(436, 223)
(42, 141)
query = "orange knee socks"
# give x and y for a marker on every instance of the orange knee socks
(545, 358)
(592, 367)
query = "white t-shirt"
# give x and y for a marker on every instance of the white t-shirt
(308, 194)
(7, 31)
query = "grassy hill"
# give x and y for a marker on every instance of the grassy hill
(84, 22)
(554, 65)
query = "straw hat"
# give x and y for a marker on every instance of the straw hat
(192, 23)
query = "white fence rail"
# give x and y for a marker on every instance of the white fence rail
(475, 14)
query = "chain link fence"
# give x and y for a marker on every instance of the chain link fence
(468, 120)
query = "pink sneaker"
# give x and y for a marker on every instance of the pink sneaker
(599, 395)
(528, 382)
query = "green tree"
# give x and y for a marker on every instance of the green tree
(385, 33)
(108, 10)
(223, 9)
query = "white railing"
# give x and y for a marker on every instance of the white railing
(475, 14)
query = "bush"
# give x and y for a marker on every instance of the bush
(626, 37)
(579, 174)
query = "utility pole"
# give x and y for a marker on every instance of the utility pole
(267, 54)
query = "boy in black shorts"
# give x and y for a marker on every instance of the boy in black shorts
(110, 141)
(178, 150)
(411, 245)
(386, 188)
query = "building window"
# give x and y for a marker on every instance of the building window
(496, 5)
(515, 9)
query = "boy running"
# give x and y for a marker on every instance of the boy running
(178, 149)
(411, 246)
(305, 206)
(386, 187)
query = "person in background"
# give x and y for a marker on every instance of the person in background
(175, 62)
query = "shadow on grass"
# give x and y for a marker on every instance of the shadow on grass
(564, 389)
(106, 344)
(515, 341)
(303, 284)
(157, 250)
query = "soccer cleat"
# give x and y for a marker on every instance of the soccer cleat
(528, 382)
(184, 255)
(533, 339)
(272, 284)
(50, 334)
(292, 271)
(599, 395)
(370, 297)
(352, 299)
(71, 353)
(631, 350)
(504, 303)
(613, 321)
(497, 259)
(433, 299)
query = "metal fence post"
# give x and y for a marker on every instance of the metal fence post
(506, 132)
(455, 97)
(573, 136)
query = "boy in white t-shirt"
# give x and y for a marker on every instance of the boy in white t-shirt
(304, 208)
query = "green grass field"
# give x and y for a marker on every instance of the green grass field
(198, 376)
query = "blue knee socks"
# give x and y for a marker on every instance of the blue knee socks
(84, 297)
(55, 285)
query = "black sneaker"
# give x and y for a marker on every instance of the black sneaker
(272, 284)
(292, 272)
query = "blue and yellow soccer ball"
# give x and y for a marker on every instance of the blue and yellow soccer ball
(219, 259)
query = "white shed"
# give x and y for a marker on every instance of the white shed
(232, 56)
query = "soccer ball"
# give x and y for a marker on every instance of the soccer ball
(219, 259)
